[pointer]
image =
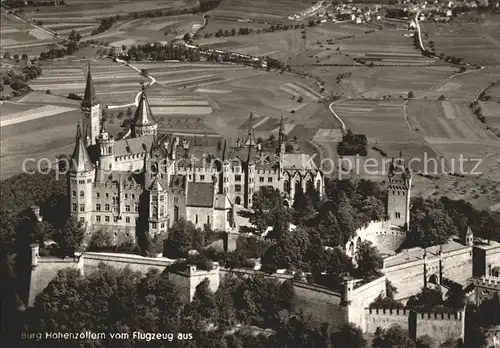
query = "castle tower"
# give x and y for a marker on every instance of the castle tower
(144, 123)
(91, 112)
(158, 203)
(399, 194)
(81, 180)
(106, 146)
(224, 180)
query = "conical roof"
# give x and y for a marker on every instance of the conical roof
(89, 99)
(143, 115)
(80, 160)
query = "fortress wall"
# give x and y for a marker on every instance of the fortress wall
(320, 303)
(440, 326)
(141, 264)
(387, 240)
(362, 296)
(408, 278)
(387, 243)
(457, 266)
(385, 318)
(45, 271)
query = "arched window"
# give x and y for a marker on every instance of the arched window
(237, 200)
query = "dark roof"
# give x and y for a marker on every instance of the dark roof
(133, 146)
(143, 115)
(200, 194)
(89, 99)
(80, 160)
(119, 177)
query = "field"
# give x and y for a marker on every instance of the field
(114, 83)
(84, 16)
(261, 10)
(19, 37)
(388, 46)
(491, 111)
(144, 30)
(477, 42)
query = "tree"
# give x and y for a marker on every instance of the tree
(411, 95)
(349, 336)
(42, 231)
(179, 240)
(24, 57)
(268, 210)
(70, 237)
(425, 341)
(7, 55)
(394, 337)
(187, 37)
(427, 300)
(202, 311)
(288, 252)
(368, 260)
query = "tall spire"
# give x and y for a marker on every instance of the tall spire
(89, 99)
(143, 115)
(224, 149)
(250, 141)
(103, 125)
(80, 160)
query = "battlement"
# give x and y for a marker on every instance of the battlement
(107, 185)
(405, 312)
(192, 270)
(266, 171)
(488, 282)
(399, 312)
(129, 157)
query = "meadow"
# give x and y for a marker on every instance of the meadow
(476, 40)
(259, 10)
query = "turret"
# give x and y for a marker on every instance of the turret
(469, 237)
(81, 180)
(106, 146)
(144, 123)
(281, 148)
(250, 140)
(91, 112)
(35, 252)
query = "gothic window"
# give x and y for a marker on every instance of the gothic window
(196, 218)
(106, 218)
(127, 219)
(73, 194)
(261, 179)
(270, 179)
(202, 177)
(229, 217)
(176, 213)
(162, 198)
(162, 225)
(154, 198)
(398, 215)
(237, 200)
(127, 208)
(126, 196)
(98, 194)
(98, 207)
(237, 188)
(208, 219)
(153, 225)
(82, 193)
(73, 208)
(98, 218)
(110, 150)
(106, 207)
(82, 208)
(237, 178)
(162, 212)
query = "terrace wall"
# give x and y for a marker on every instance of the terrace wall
(361, 297)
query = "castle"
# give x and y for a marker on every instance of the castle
(153, 180)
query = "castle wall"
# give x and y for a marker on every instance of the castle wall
(485, 288)
(439, 326)
(189, 280)
(457, 265)
(385, 318)
(362, 296)
(137, 263)
(45, 270)
(220, 219)
(407, 277)
(129, 163)
(381, 235)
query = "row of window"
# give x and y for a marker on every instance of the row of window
(108, 219)
(196, 219)
(154, 225)
(98, 195)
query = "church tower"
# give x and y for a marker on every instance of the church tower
(250, 143)
(281, 148)
(81, 180)
(144, 123)
(399, 194)
(91, 112)
(106, 146)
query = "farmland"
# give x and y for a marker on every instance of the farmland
(144, 30)
(261, 10)
(84, 16)
(19, 37)
(476, 41)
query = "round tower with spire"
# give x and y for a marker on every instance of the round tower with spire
(144, 123)
(81, 181)
(106, 145)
